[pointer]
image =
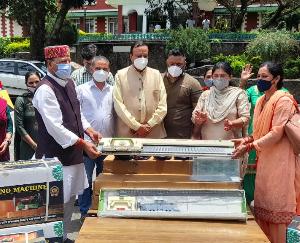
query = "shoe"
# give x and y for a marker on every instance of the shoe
(69, 241)
(82, 218)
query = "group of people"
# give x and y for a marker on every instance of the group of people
(65, 115)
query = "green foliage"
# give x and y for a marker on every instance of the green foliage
(4, 41)
(273, 46)
(68, 34)
(14, 47)
(193, 42)
(237, 62)
(292, 68)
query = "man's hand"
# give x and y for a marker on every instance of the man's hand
(143, 131)
(238, 142)
(3, 147)
(91, 150)
(95, 136)
(200, 117)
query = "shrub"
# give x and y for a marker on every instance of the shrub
(193, 42)
(4, 41)
(68, 34)
(273, 46)
(237, 62)
(16, 47)
(292, 68)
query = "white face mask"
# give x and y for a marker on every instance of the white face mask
(100, 76)
(140, 63)
(221, 84)
(31, 89)
(174, 71)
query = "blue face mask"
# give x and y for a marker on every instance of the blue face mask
(263, 85)
(63, 71)
(208, 82)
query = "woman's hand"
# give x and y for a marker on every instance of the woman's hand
(3, 146)
(228, 125)
(238, 142)
(239, 151)
(247, 72)
(200, 117)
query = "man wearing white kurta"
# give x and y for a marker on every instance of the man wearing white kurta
(140, 98)
(61, 126)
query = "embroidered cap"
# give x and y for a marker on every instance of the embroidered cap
(56, 51)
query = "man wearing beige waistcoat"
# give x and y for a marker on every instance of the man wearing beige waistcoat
(140, 98)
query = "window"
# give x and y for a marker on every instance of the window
(90, 25)
(76, 22)
(23, 68)
(112, 25)
(7, 67)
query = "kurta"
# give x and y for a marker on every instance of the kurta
(26, 124)
(139, 98)
(276, 176)
(212, 131)
(182, 98)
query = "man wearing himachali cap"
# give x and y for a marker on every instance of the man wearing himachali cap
(61, 125)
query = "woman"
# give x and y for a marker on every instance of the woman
(276, 195)
(25, 122)
(207, 79)
(6, 130)
(223, 110)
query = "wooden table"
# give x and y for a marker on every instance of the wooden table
(184, 231)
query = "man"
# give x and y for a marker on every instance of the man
(84, 74)
(190, 23)
(61, 127)
(206, 23)
(183, 92)
(96, 104)
(140, 98)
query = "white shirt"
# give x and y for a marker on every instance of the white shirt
(206, 23)
(97, 107)
(190, 23)
(46, 103)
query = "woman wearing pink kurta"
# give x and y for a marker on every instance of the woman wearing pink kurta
(277, 182)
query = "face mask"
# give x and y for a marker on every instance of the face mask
(100, 76)
(63, 71)
(220, 84)
(208, 82)
(174, 71)
(263, 85)
(31, 89)
(140, 63)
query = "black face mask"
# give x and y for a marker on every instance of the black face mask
(263, 85)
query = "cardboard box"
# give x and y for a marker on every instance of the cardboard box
(153, 181)
(49, 232)
(150, 166)
(31, 192)
(293, 231)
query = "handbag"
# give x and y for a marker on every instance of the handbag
(292, 129)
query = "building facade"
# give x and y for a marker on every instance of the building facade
(10, 27)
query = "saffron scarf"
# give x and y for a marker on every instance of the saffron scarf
(263, 116)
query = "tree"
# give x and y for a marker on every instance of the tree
(33, 13)
(169, 8)
(237, 10)
(285, 8)
(65, 6)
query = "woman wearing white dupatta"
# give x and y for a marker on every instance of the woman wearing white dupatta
(223, 111)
